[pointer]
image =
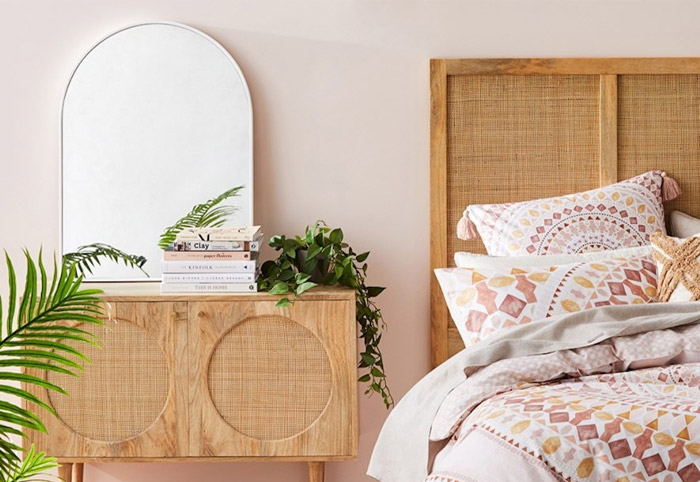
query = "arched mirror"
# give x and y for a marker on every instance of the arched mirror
(156, 118)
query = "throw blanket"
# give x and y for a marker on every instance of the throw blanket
(403, 451)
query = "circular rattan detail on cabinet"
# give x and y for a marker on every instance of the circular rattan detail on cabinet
(269, 377)
(122, 392)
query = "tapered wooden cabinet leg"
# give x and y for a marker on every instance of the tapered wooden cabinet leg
(65, 471)
(316, 471)
(78, 472)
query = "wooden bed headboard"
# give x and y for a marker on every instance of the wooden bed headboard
(505, 130)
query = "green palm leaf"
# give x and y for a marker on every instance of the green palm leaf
(33, 468)
(91, 255)
(208, 214)
(35, 336)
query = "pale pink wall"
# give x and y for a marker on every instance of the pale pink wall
(340, 92)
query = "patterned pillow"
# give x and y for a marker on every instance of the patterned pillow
(616, 216)
(483, 301)
(473, 260)
(678, 264)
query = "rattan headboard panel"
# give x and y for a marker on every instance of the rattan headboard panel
(496, 122)
(512, 130)
(659, 125)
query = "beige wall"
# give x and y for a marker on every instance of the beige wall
(340, 92)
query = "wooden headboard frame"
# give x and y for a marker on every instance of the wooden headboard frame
(514, 129)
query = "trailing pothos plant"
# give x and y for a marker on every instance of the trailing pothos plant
(322, 257)
(32, 337)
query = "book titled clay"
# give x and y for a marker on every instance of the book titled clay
(217, 245)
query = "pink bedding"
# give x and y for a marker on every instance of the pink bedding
(621, 411)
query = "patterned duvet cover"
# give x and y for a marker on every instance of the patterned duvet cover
(622, 411)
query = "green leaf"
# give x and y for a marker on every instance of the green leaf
(287, 275)
(373, 291)
(280, 288)
(314, 250)
(367, 358)
(282, 303)
(362, 257)
(364, 378)
(336, 236)
(86, 257)
(209, 213)
(305, 286)
(301, 278)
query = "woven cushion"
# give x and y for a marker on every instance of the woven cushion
(683, 225)
(616, 216)
(678, 264)
(483, 301)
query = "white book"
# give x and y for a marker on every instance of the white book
(217, 245)
(209, 277)
(208, 287)
(245, 266)
(224, 233)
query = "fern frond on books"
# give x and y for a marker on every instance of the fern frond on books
(33, 338)
(208, 214)
(89, 256)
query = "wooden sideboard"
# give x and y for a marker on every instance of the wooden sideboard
(210, 378)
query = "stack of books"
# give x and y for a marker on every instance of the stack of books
(212, 260)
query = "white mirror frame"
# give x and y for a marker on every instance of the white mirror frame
(249, 186)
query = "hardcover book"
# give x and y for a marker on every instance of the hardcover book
(209, 277)
(217, 245)
(208, 255)
(244, 233)
(208, 287)
(228, 266)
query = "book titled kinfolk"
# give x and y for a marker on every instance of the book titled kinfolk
(208, 266)
(208, 288)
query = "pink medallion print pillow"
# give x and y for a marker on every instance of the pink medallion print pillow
(484, 301)
(621, 215)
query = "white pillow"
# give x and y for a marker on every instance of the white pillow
(481, 261)
(683, 225)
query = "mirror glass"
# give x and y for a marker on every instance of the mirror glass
(156, 118)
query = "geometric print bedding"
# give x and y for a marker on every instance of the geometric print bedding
(621, 215)
(678, 265)
(641, 425)
(483, 302)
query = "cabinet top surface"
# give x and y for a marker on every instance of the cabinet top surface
(150, 291)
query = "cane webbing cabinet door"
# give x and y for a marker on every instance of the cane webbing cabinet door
(271, 383)
(128, 401)
(210, 377)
